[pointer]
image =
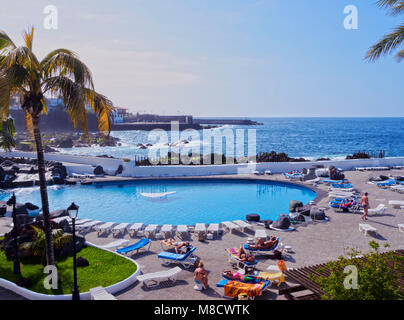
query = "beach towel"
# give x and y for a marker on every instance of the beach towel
(234, 288)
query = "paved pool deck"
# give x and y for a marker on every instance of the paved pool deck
(311, 244)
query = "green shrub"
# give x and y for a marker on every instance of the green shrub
(378, 276)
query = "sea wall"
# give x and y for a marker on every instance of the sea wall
(274, 167)
(85, 164)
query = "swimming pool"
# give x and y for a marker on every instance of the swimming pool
(190, 201)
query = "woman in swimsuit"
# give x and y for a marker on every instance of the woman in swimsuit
(365, 205)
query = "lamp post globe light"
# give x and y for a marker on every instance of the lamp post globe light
(73, 210)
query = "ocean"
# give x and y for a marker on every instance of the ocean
(310, 138)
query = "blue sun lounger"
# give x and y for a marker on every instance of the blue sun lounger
(249, 250)
(342, 186)
(386, 183)
(136, 246)
(187, 259)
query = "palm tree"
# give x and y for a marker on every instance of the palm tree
(59, 74)
(391, 41)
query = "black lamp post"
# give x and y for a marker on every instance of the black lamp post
(14, 232)
(73, 211)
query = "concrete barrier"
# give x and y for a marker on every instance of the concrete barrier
(85, 164)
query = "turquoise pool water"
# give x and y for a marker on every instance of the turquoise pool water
(199, 200)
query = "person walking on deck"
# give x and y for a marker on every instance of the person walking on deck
(365, 205)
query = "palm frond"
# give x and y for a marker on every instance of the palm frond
(29, 38)
(394, 7)
(400, 55)
(387, 44)
(103, 109)
(63, 62)
(5, 41)
(7, 133)
(73, 97)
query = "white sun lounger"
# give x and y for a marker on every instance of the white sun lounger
(60, 219)
(214, 228)
(230, 226)
(151, 230)
(153, 279)
(167, 230)
(115, 244)
(260, 234)
(104, 228)
(80, 221)
(99, 293)
(242, 224)
(87, 227)
(119, 229)
(182, 230)
(135, 228)
(367, 228)
(200, 227)
(380, 209)
(396, 203)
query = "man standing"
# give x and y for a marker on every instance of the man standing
(365, 205)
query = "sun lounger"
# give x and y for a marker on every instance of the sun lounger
(142, 243)
(182, 231)
(153, 279)
(232, 289)
(99, 293)
(328, 181)
(115, 244)
(214, 228)
(242, 224)
(80, 221)
(87, 227)
(172, 244)
(380, 209)
(366, 229)
(104, 228)
(167, 230)
(401, 227)
(186, 259)
(230, 226)
(151, 230)
(60, 219)
(250, 250)
(396, 203)
(277, 276)
(260, 234)
(200, 229)
(268, 172)
(388, 182)
(82, 176)
(134, 229)
(119, 229)
(233, 257)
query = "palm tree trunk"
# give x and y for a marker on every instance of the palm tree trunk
(50, 257)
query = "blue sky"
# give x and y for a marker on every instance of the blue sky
(243, 58)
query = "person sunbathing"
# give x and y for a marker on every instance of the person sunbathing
(244, 257)
(262, 244)
(181, 245)
(237, 276)
(176, 244)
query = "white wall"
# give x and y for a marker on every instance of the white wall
(130, 170)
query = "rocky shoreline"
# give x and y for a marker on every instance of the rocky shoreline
(23, 172)
(52, 141)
